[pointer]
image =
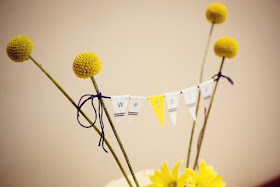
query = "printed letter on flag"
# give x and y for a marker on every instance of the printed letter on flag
(206, 89)
(157, 103)
(135, 105)
(119, 106)
(172, 101)
(190, 96)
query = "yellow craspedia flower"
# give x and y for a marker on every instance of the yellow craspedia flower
(164, 178)
(216, 13)
(86, 64)
(226, 47)
(206, 177)
(19, 48)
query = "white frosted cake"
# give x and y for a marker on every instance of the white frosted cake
(142, 177)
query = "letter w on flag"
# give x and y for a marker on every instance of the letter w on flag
(119, 104)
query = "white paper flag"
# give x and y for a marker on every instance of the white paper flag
(206, 89)
(172, 101)
(119, 106)
(190, 96)
(135, 105)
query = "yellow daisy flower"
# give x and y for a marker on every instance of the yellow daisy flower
(206, 177)
(164, 178)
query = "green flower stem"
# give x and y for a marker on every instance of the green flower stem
(198, 98)
(95, 128)
(206, 117)
(115, 132)
(206, 51)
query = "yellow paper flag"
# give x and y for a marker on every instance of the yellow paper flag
(158, 106)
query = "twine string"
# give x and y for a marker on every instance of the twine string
(91, 97)
(219, 75)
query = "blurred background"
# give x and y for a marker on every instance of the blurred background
(146, 48)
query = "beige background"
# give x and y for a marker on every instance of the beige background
(148, 47)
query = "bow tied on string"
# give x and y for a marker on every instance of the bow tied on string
(100, 114)
(217, 76)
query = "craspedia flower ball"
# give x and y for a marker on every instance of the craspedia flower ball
(19, 48)
(86, 64)
(216, 13)
(226, 47)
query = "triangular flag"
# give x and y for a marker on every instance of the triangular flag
(119, 106)
(172, 101)
(190, 96)
(158, 106)
(206, 89)
(135, 105)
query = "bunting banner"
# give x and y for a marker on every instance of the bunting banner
(190, 96)
(119, 104)
(172, 101)
(157, 103)
(135, 105)
(206, 89)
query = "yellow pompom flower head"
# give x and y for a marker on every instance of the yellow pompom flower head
(226, 47)
(86, 64)
(216, 13)
(19, 48)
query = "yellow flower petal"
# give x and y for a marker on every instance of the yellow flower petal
(175, 169)
(208, 177)
(216, 181)
(163, 178)
(183, 180)
(191, 176)
(165, 171)
(157, 180)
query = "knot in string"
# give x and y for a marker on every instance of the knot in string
(100, 114)
(217, 76)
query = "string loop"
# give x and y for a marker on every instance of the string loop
(217, 76)
(91, 97)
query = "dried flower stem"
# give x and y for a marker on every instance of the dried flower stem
(95, 128)
(205, 53)
(198, 98)
(115, 131)
(206, 117)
